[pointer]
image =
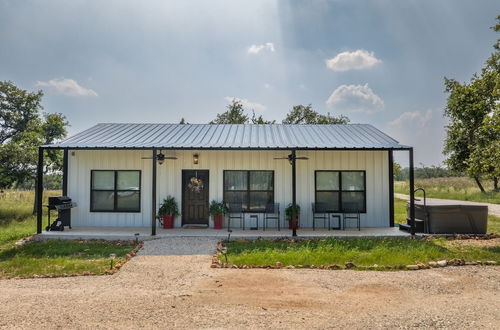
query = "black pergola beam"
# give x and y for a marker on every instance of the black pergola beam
(153, 194)
(391, 188)
(412, 193)
(65, 173)
(294, 192)
(39, 191)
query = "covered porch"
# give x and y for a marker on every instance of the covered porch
(144, 233)
(293, 155)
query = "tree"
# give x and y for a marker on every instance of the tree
(301, 114)
(260, 119)
(23, 128)
(235, 114)
(485, 158)
(473, 108)
(397, 170)
(183, 121)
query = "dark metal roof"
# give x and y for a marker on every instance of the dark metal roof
(241, 136)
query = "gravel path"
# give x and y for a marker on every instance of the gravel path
(179, 246)
(493, 209)
(182, 291)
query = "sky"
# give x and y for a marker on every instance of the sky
(377, 62)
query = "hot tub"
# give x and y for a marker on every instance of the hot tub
(452, 217)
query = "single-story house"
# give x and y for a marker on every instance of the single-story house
(118, 173)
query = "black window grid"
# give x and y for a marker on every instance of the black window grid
(248, 190)
(115, 192)
(340, 190)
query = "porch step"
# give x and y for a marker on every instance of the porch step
(195, 226)
(419, 225)
(405, 227)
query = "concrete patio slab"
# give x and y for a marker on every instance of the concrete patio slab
(144, 233)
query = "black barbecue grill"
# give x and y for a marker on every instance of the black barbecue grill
(63, 205)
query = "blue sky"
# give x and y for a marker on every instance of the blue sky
(378, 62)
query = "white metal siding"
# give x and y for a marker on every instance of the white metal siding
(375, 163)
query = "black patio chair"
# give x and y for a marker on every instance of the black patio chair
(351, 212)
(235, 211)
(272, 213)
(319, 213)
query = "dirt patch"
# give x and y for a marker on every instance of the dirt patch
(489, 243)
(260, 288)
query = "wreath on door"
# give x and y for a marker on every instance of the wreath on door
(195, 184)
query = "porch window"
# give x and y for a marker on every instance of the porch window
(253, 189)
(341, 191)
(115, 191)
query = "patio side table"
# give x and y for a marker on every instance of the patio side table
(339, 221)
(256, 217)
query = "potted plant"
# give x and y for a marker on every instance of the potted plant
(167, 212)
(217, 210)
(288, 215)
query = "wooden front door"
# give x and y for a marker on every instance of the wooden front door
(194, 197)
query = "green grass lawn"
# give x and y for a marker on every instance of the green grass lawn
(360, 251)
(400, 216)
(16, 215)
(49, 258)
(57, 257)
(460, 188)
(399, 211)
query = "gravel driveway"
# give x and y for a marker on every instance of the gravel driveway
(156, 290)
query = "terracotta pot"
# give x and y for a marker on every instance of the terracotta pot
(290, 223)
(218, 220)
(168, 221)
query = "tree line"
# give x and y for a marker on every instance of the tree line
(424, 172)
(300, 114)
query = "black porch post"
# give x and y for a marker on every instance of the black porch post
(153, 195)
(294, 193)
(412, 194)
(39, 191)
(65, 173)
(391, 188)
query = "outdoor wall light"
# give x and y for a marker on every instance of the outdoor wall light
(161, 158)
(196, 159)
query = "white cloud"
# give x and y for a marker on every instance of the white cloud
(355, 98)
(417, 118)
(267, 86)
(246, 103)
(255, 49)
(67, 87)
(423, 130)
(356, 60)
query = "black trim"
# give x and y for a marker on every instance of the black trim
(153, 193)
(223, 148)
(39, 190)
(115, 192)
(295, 217)
(248, 190)
(340, 191)
(412, 192)
(391, 188)
(65, 173)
